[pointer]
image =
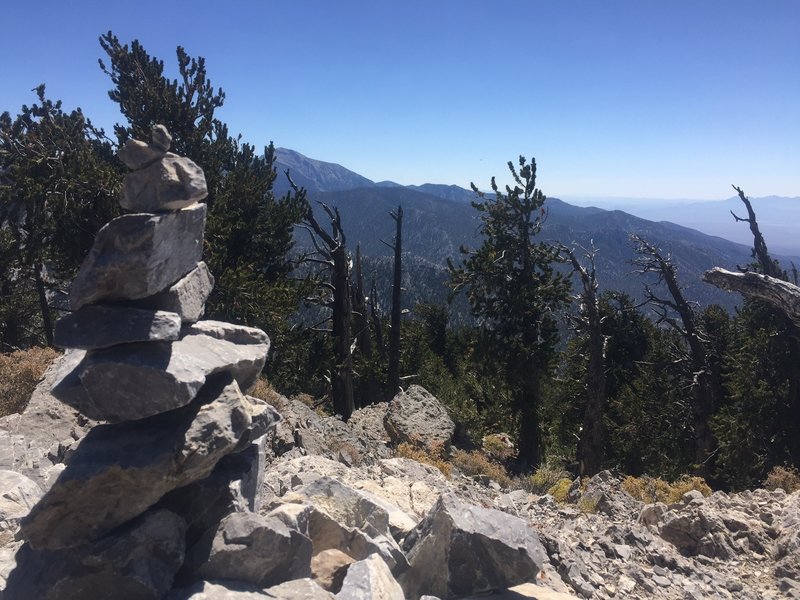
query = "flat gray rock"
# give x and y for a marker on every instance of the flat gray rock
(299, 589)
(187, 296)
(139, 255)
(237, 334)
(230, 590)
(370, 578)
(102, 326)
(247, 547)
(138, 561)
(474, 549)
(171, 183)
(135, 381)
(18, 494)
(119, 471)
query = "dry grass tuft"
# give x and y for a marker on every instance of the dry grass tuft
(20, 372)
(429, 457)
(477, 463)
(654, 489)
(786, 478)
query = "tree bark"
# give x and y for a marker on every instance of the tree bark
(393, 377)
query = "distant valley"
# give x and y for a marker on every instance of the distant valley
(439, 219)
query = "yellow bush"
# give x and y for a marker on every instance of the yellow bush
(588, 504)
(545, 478)
(477, 463)
(20, 372)
(654, 489)
(560, 489)
(434, 458)
(786, 478)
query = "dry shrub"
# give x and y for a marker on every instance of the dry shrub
(20, 372)
(264, 391)
(654, 489)
(477, 463)
(545, 478)
(588, 504)
(498, 446)
(786, 478)
(429, 457)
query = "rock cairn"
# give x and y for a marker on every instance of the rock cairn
(169, 390)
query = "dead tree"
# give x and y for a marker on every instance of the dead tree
(367, 391)
(589, 322)
(706, 392)
(331, 254)
(767, 265)
(393, 376)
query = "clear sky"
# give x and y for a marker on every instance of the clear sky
(636, 98)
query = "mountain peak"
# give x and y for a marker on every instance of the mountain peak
(314, 175)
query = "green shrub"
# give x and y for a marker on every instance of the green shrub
(654, 489)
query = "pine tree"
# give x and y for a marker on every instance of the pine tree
(514, 291)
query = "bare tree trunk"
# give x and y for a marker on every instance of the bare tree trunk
(591, 444)
(376, 322)
(706, 394)
(393, 378)
(44, 307)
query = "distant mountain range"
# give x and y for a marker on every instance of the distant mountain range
(439, 219)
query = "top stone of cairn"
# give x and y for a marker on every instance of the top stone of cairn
(161, 180)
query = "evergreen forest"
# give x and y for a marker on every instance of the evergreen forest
(528, 342)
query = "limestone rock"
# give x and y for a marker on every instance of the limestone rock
(139, 255)
(161, 138)
(135, 381)
(28, 440)
(18, 494)
(137, 154)
(253, 549)
(299, 589)
(138, 561)
(368, 425)
(349, 520)
(474, 549)
(170, 183)
(118, 471)
(102, 326)
(220, 330)
(230, 590)
(329, 567)
(370, 578)
(417, 417)
(187, 296)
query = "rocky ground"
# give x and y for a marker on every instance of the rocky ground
(357, 501)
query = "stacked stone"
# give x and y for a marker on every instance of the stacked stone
(170, 389)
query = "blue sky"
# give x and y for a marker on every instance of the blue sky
(633, 98)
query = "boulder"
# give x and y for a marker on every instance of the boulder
(186, 297)
(329, 567)
(348, 520)
(135, 381)
(299, 589)
(368, 425)
(101, 326)
(473, 549)
(248, 547)
(139, 255)
(229, 590)
(138, 155)
(416, 417)
(370, 578)
(138, 561)
(118, 471)
(171, 182)
(18, 494)
(235, 334)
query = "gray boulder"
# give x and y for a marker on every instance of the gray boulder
(139, 255)
(247, 547)
(299, 589)
(101, 326)
(139, 561)
(187, 296)
(135, 381)
(370, 579)
(416, 417)
(170, 183)
(229, 590)
(235, 334)
(118, 471)
(472, 549)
